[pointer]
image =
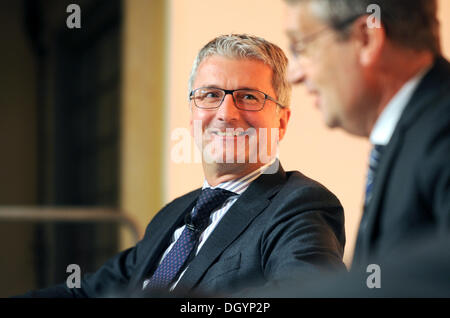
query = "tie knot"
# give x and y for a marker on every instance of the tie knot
(208, 200)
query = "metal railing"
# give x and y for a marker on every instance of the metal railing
(67, 214)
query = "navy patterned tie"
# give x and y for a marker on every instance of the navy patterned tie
(197, 221)
(374, 160)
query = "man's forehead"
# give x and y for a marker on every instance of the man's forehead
(219, 63)
(235, 73)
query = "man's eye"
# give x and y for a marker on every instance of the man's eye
(211, 95)
(207, 95)
(249, 97)
(297, 48)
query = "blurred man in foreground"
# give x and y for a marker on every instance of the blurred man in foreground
(375, 69)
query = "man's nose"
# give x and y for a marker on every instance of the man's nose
(228, 110)
(296, 71)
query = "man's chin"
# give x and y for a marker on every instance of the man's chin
(218, 153)
(224, 160)
(233, 168)
(330, 121)
(331, 124)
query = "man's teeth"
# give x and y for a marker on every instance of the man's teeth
(230, 134)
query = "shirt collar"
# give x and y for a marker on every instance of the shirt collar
(241, 184)
(385, 125)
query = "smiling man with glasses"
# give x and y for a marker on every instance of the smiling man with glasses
(250, 145)
(251, 223)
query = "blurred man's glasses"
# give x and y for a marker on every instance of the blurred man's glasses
(244, 99)
(299, 47)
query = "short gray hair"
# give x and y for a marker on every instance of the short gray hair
(410, 23)
(243, 46)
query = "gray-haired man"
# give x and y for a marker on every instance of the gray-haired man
(375, 70)
(251, 223)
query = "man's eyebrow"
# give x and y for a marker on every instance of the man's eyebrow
(250, 88)
(209, 86)
(239, 87)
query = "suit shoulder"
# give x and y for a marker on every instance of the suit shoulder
(298, 179)
(430, 131)
(298, 183)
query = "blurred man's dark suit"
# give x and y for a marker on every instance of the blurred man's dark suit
(411, 195)
(283, 221)
(418, 269)
(405, 229)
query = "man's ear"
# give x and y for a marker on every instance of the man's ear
(284, 115)
(371, 39)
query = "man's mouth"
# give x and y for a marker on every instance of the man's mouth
(230, 133)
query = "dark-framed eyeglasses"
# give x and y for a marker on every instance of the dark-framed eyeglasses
(298, 47)
(244, 99)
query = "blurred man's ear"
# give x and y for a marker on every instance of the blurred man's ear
(371, 39)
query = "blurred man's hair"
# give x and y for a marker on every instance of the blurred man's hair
(409, 23)
(243, 46)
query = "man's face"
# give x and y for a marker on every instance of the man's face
(227, 128)
(328, 67)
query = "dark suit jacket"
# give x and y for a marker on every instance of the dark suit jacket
(417, 270)
(411, 194)
(283, 221)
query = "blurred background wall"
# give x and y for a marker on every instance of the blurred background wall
(87, 117)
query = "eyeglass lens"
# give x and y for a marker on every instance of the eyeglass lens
(213, 98)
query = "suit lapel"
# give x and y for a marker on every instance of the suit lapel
(424, 96)
(251, 203)
(159, 234)
(373, 209)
